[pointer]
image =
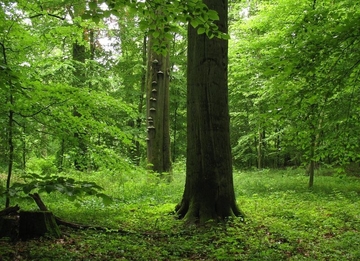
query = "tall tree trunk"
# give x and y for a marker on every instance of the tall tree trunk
(158, 113)
(209, 191)
(139, 120)
(315, 139)
(11, 147)
(79, 56)
(23, 143)
(10, 130)
(259, 150)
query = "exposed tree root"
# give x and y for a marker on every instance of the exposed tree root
(200, 214)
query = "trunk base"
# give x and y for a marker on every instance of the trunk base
(201, 214)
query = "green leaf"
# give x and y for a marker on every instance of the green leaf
(200, 30)
(194, 23)
(27, 188)
(156, 34)
(92, 5)
(86, 16)
(213, 15)
(105, 198)
(107, 13)
(49, 188)
(225, 36)
(96, 19)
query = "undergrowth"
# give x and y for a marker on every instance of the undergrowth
(285, 221)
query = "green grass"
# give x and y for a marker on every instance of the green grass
(285, 221)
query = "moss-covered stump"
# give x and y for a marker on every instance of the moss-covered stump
(37, 223)
(9, 227)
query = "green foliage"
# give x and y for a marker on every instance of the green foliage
(60, 115)
(73, 189)
(292, 69)
(299, 224)
(160, 19)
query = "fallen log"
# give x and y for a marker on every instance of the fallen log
(59, 221)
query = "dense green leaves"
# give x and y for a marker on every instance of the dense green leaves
(40, 86)
(294, 74)
(70, 187)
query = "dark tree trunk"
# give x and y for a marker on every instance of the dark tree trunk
(209, 191)
(158, 126)
(9, 129)
(79, 56)
(260, 150)
(79, 53)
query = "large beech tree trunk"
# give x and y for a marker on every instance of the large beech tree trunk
(209, 192)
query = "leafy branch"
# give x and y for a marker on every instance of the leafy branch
(70, 187)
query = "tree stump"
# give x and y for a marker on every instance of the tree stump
(9, 227)
(37, 223)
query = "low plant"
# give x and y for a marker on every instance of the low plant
(285, 221)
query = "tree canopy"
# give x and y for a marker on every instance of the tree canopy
(294, 76)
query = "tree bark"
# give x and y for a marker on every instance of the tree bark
(9, 129)
(79, 56)
(259, 150)
(158, 114)
(79, 53)
(37, 223)
(209, 191)
(9, 210)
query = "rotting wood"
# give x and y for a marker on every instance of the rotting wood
(33, 224)
(9, 210)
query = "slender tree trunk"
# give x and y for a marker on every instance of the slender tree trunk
(209, 191)
(158, 113)
(311, 166)
(315, 138)
(79, 57)
(277, 147)
(259, 150)
(11, 148)
(60, 156)
(141, 99)
(10, 131)
(173, 153)
(23, 141)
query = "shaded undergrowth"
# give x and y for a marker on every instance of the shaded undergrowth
(285, 221)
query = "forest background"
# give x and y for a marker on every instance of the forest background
(73, 90)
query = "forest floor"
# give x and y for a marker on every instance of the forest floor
(285, 221)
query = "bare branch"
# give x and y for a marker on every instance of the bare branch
(53, 15)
